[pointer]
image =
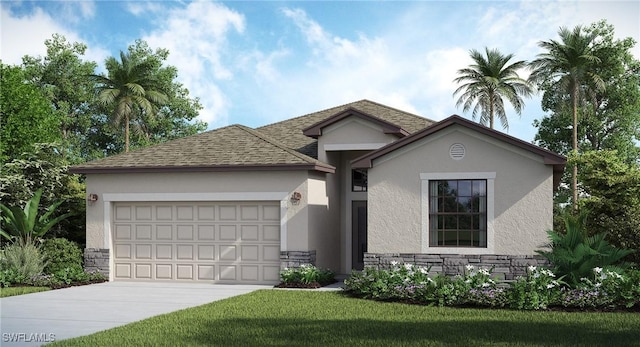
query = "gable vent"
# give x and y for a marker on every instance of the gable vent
(457, 151)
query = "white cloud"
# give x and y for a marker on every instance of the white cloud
(138, 8)
(196, 37)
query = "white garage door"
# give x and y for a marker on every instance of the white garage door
(234, 242)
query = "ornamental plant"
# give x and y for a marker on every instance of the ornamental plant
(307, 274)
(24, 225)
(538, 290)
(574, 254)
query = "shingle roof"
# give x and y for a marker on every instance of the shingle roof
(234, 147)
(276, 146)
(289, 132)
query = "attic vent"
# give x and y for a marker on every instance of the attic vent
(457, 151)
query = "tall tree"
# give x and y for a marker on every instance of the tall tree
(487, 82)
(569, 65)
(131, 90)
(61, 75)
(25, 115)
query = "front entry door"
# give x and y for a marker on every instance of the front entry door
(358, 233)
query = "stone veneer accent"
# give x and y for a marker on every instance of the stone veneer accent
(97, 259)
(297, 258)
(505, 267)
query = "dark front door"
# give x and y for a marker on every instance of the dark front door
(358, 233)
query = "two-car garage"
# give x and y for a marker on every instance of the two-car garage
(217, 242)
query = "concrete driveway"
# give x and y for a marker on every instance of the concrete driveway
(33, 319)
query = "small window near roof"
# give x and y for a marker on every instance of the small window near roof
(358, 180)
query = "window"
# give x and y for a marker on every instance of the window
(458, 213)
(358, 180)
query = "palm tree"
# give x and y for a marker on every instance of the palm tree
(131, 89)
(569, 63)
(487, 82)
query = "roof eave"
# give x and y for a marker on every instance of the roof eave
(211, 168)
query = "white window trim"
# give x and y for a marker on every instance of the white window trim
(425, 178)
(110, 198)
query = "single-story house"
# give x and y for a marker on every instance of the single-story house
(354, 185)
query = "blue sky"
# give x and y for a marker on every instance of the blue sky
(257, 62)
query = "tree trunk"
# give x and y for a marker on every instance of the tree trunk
(574, 183)
(126, 133)
(491, 112)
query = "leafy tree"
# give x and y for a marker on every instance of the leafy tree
(44, 168)
(132, 90)
(24, 225)
(613, 189)
(568, 65)
(62, 75)
(25, 114)
(575, 254)
(487, 82)
(609, 117)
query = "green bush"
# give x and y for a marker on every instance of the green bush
(538, 290)
(574, 254)
(24, 259)
(61, 253)
(307, 274)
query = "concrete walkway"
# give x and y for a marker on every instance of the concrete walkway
(33, 319)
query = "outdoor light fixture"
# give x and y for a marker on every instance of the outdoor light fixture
(92, 197)
(295, 197)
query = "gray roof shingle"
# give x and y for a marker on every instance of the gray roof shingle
(276, 146)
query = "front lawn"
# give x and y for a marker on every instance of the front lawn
(295, 318)
(11, 291)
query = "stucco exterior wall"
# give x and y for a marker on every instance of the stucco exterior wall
(201, 183)
(522, 192)
(324, 233)
(353, 130)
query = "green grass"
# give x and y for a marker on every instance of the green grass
(297, 318)
(11, 291)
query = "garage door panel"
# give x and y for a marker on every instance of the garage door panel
(122, 232)
(143, 271)
(228, 233)
(207, 252)
(185, 232)
(271, 233)
(143, 231)
(164, 271)
(143, 251)
(227, 252)
(227, 273)
(249, 232)
(249, 253)
(164, 251)
(164, 232)
(206, 232)
(185, 252)
(228, 212)
(227, 242)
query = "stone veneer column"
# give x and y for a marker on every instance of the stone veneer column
(97, 259)
(296, 258)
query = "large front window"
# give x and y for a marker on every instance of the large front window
(458, 213)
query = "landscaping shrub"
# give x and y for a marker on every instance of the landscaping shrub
(61, 253)
(540, 289)
(23, 260)
(307, 274)
(574, 254)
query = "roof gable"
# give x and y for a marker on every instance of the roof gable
(232, 148)
(315, 130)
(549, 158)
(290, 132)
